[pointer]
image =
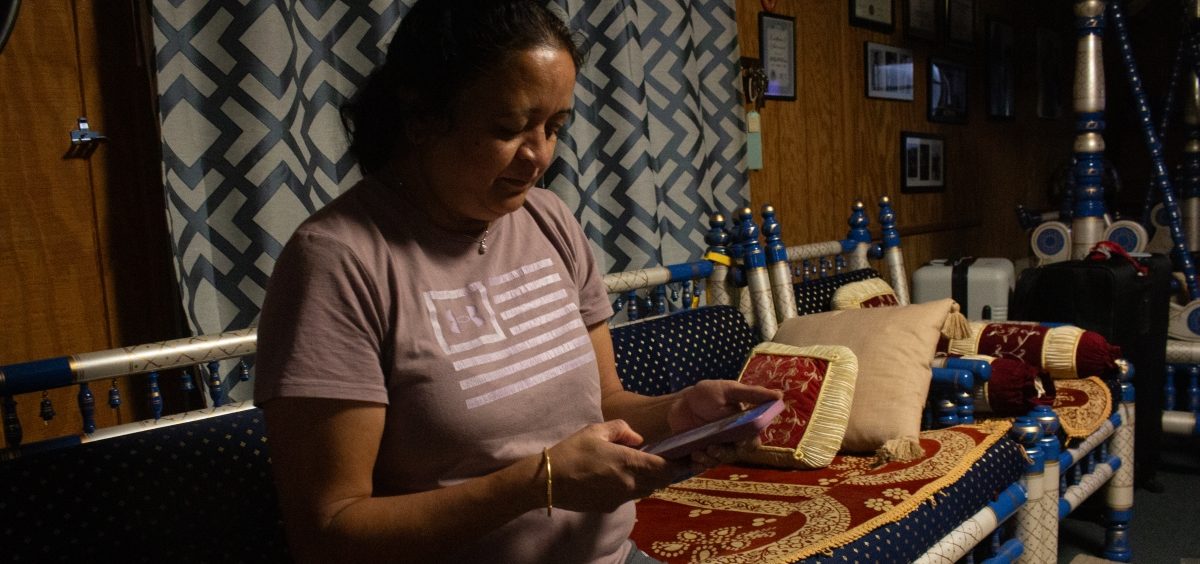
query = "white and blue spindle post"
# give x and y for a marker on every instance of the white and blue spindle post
(777, 265)
(1046, 547)
(1088, 226)
(892, 256)
(1032, 521)
(858, 238)
(1119, 492)
(758, 283)
(738, 282)
(718, 253)
(1180, 250)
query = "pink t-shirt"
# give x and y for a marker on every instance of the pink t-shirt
(481, 359)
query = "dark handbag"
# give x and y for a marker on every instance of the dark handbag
(1126, 299)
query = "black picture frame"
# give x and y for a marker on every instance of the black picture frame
(1001, 70)
(948, 91)
(960, 23)
(777, 51)
(887, 72)
(922, 162)
(877, 15)
(923, 19)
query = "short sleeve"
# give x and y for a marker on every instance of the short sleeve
(593, 295)
(321, 327)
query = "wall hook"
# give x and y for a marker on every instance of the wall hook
(84, 141)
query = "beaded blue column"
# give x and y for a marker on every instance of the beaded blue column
(1087, 225)
(891, 250)
(1186, 46)
(1180, 252)
(718, 252)
(758, 284)
(777, 266)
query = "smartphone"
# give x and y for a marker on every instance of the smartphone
(731, 429)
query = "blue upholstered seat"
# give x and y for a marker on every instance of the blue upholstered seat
(193, 492)
(665, 354)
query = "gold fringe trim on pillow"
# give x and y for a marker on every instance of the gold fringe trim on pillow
(956, 325)
(1058, 351)
(854, 294)
(831, 413)
(969, 344)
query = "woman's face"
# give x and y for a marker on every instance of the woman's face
(501, 138)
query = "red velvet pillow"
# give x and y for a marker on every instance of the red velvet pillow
(1063, 351)
(818, 389)
(1014, 389)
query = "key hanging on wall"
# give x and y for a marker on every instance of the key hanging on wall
(756, 85)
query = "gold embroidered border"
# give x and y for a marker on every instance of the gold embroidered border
(1079, 422)
(995, 430)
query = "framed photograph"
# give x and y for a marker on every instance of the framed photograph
(1001, 73)
(947, 91)
(922, 19)
(960, 23)
(1050, 68)
(872, 14)
(777, 51)
(887, 72)
(922, 162)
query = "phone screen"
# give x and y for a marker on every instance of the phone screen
(736, 427)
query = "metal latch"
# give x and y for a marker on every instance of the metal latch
(84, 141)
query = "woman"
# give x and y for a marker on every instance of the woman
(434, 363)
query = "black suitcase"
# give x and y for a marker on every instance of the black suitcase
(1129, 306)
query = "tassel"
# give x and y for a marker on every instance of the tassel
(903, 449)
(956, 325)
(1095, 356)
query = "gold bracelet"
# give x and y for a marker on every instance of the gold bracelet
(549, 482)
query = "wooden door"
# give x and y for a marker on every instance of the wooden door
(84, 249)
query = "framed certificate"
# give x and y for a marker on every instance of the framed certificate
(922, 19)
(777, 51)
(872, 14)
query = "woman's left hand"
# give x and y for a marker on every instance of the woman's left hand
(710, 400)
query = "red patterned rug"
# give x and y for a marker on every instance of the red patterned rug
(1082, 405)
(739, 513)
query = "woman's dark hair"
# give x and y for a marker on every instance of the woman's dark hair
(441, 47)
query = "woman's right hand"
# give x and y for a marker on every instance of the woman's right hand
(599, 468)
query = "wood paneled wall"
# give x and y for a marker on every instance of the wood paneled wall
(833, 145)
(83, 241)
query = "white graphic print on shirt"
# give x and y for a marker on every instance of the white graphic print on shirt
(534, 313)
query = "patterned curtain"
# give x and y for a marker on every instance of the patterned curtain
(253, 143)
(657, 141)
